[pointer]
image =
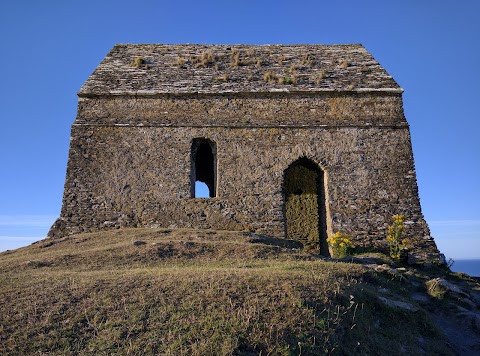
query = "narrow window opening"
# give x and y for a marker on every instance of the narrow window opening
(201, 190)
(203, 168)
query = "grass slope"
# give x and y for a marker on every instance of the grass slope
(198, 292)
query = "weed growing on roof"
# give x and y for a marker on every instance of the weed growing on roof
(292, 68)
(321, 75)
(224, 77)
(181, 61)
(207, 58)
(292, 78)
(307, 60)
(139, 62)
(270, 77)
(285, 80)
(235, 58)
(295, 78)
(193, 59)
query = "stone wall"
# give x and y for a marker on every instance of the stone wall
(246, 110)
(137, 172)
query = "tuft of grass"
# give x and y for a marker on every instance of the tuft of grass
(224, 77)
(270, 77)
(204, 60)
(285, 80)
(307, 60)
(235, 58)
(140, 62)
(435, 289)
(193, 59)
(181, 61)
(321, 76)
(207, 58)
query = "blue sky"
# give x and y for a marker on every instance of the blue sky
(431, 47)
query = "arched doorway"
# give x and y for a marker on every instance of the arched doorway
(204, 164)
(304, 206)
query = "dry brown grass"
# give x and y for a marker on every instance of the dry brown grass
(223, 77)
(321, 76)
(181, 292)
(140, 62)
(235, 58)
(181, 61)
(307, 60)
(270, 77)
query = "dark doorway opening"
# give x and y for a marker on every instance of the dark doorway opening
(304, 206)
(204, 162)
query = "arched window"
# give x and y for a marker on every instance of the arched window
(305, 209)
(204, 168)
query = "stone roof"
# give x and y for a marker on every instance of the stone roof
(149, 69)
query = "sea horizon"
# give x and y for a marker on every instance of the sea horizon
(468, 266)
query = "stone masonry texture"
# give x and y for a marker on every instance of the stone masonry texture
(263, 108)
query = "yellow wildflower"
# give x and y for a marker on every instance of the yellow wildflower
(394, 236)
(339, 244)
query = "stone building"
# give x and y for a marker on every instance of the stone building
(295, 141)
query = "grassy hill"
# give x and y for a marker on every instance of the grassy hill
(200, 292)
